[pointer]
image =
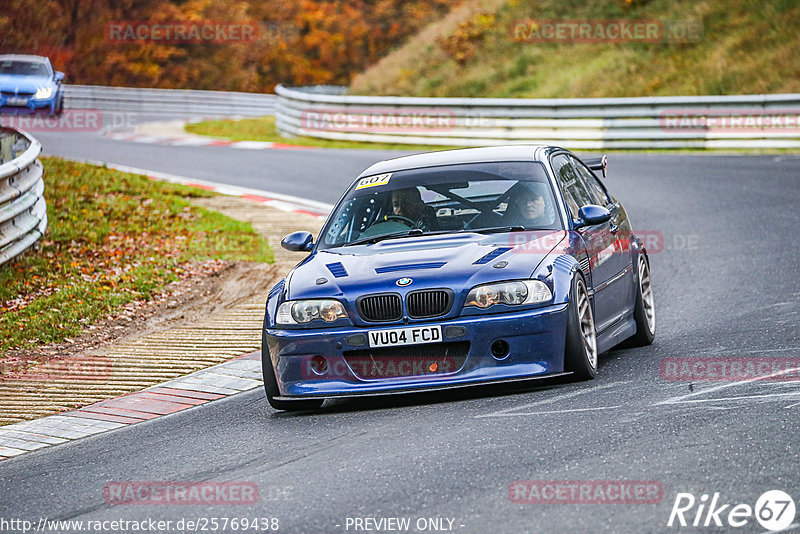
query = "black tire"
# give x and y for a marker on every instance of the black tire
(60, 108)
(579, 358)
(271, 389)
(643, 310)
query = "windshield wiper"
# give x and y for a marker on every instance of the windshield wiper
(376, 238)
(418, 232)
(499, 229)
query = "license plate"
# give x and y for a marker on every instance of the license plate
(17, 101)
(405, 336)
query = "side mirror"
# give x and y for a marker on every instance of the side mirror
(58, 76)
(592, 214)
(298, 242)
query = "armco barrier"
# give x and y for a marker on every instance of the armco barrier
(23, 212)
(742, 121)
(169, 103)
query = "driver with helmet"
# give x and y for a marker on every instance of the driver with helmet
(407, 203)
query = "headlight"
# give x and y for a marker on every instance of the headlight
(43, 92)
(304, 311)
(511, 293)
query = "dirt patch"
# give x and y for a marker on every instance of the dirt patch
(208, 287)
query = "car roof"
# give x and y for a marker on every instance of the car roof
(24, 57)
(461, 155)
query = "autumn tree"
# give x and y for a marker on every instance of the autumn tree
(299, 43)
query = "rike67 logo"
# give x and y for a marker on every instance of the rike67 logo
(774, 510)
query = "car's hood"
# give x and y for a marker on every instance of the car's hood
(457, 261)
(23, 84)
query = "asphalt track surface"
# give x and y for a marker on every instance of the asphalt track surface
(726, 286)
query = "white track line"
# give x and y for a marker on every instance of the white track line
(506, 412)
(681, 398)
(740, 397)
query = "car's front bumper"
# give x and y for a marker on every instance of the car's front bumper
(535, 341)
(33, 106)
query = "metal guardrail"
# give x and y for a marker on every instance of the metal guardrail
(171, 103)
(706, 122)
(23, 212)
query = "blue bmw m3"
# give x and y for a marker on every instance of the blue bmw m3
(28, 85)
(458, 268)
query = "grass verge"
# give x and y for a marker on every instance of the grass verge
(112, 238)
(263, 129)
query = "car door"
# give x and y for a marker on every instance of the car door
(616, 292)
(599, 241)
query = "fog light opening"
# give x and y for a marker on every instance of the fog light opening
(500, 349)
(319, 365)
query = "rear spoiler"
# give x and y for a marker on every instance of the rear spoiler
(597, 164)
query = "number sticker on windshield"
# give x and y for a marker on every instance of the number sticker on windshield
(378, 179)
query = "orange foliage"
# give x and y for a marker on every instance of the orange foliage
(302, 42)
(468, 37)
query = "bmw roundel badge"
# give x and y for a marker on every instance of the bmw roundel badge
(404, 282)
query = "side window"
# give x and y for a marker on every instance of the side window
(354, 217)
(568, 181)
(590, 184)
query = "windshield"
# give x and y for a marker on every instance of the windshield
(475, 197)
(26, 68)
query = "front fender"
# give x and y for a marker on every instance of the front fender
(564, 269)
(276, 295)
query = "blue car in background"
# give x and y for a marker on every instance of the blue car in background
(29, 85)
(457, 268)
